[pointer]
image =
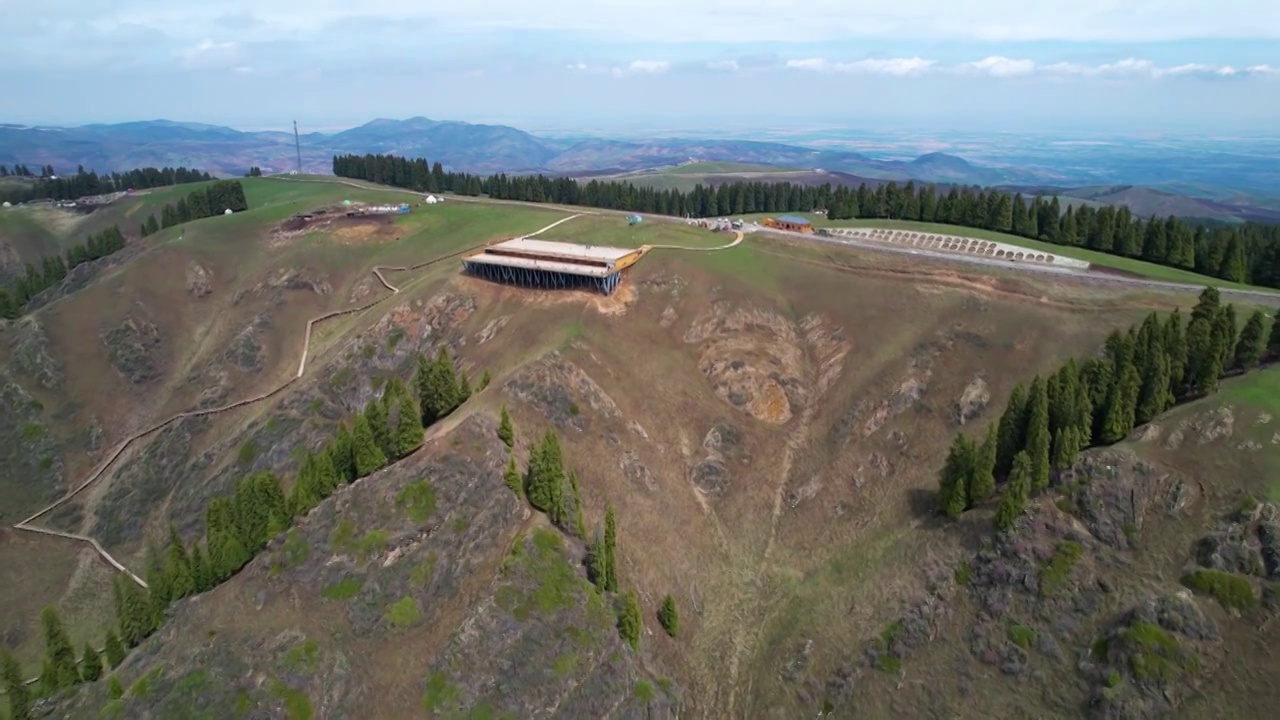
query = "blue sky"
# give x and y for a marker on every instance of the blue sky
(1145, 65)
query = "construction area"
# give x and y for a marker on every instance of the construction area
(955, 244)
(552, 265)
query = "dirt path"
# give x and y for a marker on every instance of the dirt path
(101, 470)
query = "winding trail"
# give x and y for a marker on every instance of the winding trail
(100, 471)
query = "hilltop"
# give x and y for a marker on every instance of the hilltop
(768, 421)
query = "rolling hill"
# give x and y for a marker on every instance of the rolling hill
(767, 421)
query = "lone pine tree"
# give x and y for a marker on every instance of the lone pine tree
(506, 431)
(668, 616)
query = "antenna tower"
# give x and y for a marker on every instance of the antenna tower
(297, 144)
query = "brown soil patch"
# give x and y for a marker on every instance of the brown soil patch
(355, 230)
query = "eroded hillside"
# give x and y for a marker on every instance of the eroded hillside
(768, 422)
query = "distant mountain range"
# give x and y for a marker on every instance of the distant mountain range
(498, 148)
(457, 145)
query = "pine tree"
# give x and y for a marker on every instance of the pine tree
(1154, 396)
(485, 379)
(1273, 339)
(113, 650)
(1248, 350)
(1121, 407)
(368, 456)
(1011, 433)
(629, 621)
(1014, 499)
(579, 521)
(132, 612)
(409, 428)
(610, 550)
(115, 690)
(512, 476)
(545, 482)
(90, 664)
(201, 573)
(669, 617)
(59, 653)
(1225, 336)
(1175, 343)
(375, 413)
(1038, 440)
(464, 388)
(983, 481)
(597, 566)
(15, 687)
(181, 579)
(506, 432)
(953, 481)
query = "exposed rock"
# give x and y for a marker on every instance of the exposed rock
(246, 351)
(132, 347)
(710, 476)
(635, 470)
(669, 317)
(1269, 538)
(491, 328)
(1114, 491)
(972, 401)
(561, 391)
(31, 353)
(198, 280)
(760, 362)
(287, 279)
(1229, 550)
(1150, 661)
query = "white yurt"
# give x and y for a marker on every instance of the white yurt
(227, 211)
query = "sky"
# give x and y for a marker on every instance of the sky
(597, 66)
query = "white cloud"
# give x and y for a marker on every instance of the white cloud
(727, 65)
(636, 67)
(242, 69)
(1003, 67)
(998, 66)
(898, 67)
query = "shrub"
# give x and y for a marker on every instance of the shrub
(1232, 591)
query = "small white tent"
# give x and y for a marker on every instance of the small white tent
(227, 211)
(431, 200)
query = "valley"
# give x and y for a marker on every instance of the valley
(768, 418)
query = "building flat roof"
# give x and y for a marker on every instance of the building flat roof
(597, 271)
(565, 250)
(794, 220)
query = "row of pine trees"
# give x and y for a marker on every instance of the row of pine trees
(205, 202)
(558, 494)
(83, 183)
(54, 268)
(1099, 401)
(1247, 253)
(238, 526)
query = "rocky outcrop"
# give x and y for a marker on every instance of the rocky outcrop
(32, 355)
(132, 346)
